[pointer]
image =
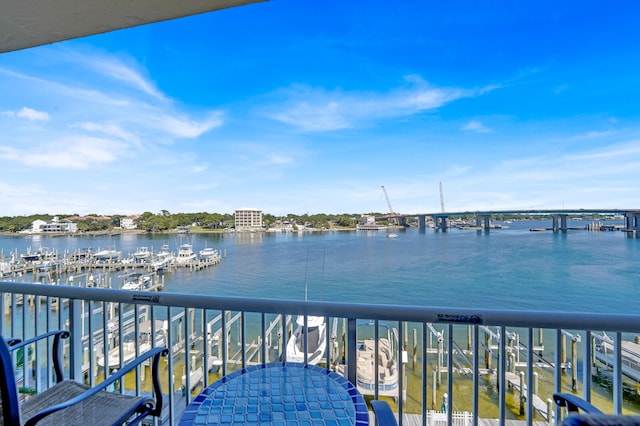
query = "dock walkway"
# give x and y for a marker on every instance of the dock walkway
(630, 358)
(538, 404)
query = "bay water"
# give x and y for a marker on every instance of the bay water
(512, 268)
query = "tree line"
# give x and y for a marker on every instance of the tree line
(166, 221)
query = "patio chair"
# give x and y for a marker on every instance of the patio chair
(384, 415)
(71, 403)
(582, 413)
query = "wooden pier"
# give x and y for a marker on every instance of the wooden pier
(54, 266)
(516, 382)
(630, 358)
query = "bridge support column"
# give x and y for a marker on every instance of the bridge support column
(632, 223)
(441, 223)
(402, 221)
(483, 221)
(563, 222)
(422, 222)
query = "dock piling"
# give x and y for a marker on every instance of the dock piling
(522, 393)
(415, 348)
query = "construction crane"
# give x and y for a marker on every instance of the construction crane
(394, 220)
(441, 198)
(387, 198)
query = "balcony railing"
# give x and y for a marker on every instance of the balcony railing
(435, 365)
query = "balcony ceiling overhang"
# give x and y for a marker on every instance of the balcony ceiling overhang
(30, 23)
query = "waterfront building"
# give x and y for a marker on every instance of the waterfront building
(367, 219)
(129, 222)
(55, 225)
(368, 223)
(247, 219)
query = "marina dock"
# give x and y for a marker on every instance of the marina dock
(48, 267)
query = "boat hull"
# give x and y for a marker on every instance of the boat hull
(316, 341)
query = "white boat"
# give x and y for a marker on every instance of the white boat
(316, 340)
(370, 227)
(142, 254)
(47, 267)
(162, 263)
(164, 251)
(129, 354)
(136, 281)
(34, 256)
(387, 359)
(163, 258)
(392, 235)
(107, 254)
(208, 253)
(129, 346)
(185, 254)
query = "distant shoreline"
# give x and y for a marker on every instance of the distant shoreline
(116, 231)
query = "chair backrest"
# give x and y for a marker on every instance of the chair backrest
(597, 419)
(8, 391)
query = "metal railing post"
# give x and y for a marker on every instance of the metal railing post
(617, 374)
(75, 343)
(351, 351)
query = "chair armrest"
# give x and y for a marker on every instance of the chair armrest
(57, 335)
(384, 415)
(574, 403)
(600, 420)
(12, 341)
(156, 353)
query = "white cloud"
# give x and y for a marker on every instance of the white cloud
(280, 159)
(99, 119)
(317, 109)
(182, 126)
(32, 114)
(592, 135)
(476, 126)
(199, 168)
(27, 114)
(110, 129)
(120, 68)
(548, 181)
(77, 153)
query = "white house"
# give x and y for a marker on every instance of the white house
(129, 222)
(55, 225)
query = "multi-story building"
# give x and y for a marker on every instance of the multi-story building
(56, 225)
(129, 222)
(248, 220)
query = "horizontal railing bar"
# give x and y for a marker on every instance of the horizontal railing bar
(428, 314)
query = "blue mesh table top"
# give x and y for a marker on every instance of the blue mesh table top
(285, 394)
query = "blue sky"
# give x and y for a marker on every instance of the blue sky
(310, 106)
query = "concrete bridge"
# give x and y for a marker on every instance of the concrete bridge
(558, 217)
